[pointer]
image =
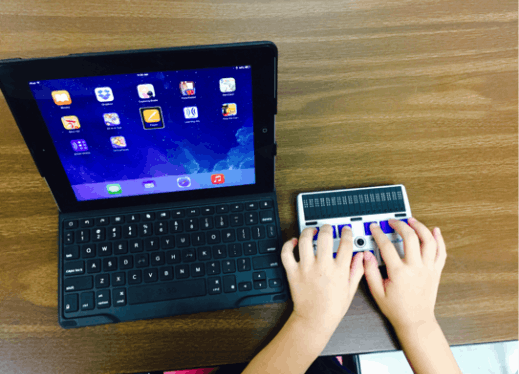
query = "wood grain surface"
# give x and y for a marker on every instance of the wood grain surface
(372, 92)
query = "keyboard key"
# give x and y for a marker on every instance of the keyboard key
(167, 242)
(178, 213)
(234, 250)
(126, 262)
(340, 229)
(367, 230)
(213, 237)
(141, 260)
(219, 251)
(74, 268)
(243, 233)
(166, 273)
(119, 297)
(228, 266)
(78, 283)
(70, 224)
(267, 246)
(134, 277)
(117, 219)
(214, 285)
(176, 226)
(132, 218)
(163, 215)
(105, 249)
(249, 248)
(238, 207)
(182, 240)
(236, 219)
(206, 223)
(222, 209)
(70, 303)
(197, 270)
(265, 262)
(83, 236)
(102, 281)
(251, 218)
(110, 264)
(69, 237)
(243, 264)
(229, 283)
(213, 267)
(259, 285)
(259, 275)
(99, 234)
(208, 210)
(158, 259)
(102, 221)
(258, 232)
(228, 235)
(87, 301)
(191, 224)
(222, 222)
(151, 244)
(121, 247)
(193, 212)
(167, 291)
(188, 255)
(103, 299)
(271, 231)
(118, 279)
(151, 275)
(245, 286)
(160, 228)
(173, 257)
(275, 283)
(114, 233)
(198, 238)
(93, 266)
(182, 271)
(136, 246)
(316, 234)
(71, 252)
(145, 229)
(148, 216)
(204, 253)
(267, 204)
(384, 226)
(87, 222)
(251, 206)
(266, 216)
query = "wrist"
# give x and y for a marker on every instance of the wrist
(412, 328)
(317, 335)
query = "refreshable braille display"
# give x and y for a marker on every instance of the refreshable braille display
(357, 208)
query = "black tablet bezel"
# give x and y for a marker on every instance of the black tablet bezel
(261, 56)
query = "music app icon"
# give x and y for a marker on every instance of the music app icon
(217, 178)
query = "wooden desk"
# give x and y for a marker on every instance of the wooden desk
(422, 93)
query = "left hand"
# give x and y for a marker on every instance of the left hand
(322, 287)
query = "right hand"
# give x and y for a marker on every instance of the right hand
(408, 296)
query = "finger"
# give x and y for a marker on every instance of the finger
(441, 254)
(356, 272)
(373, 276)
(411, 242)
(428, 242)
(325, 243)
(287, 256)
(387, 249)
(345, 250)
(306, 247)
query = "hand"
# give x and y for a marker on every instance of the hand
(322, 287)
(408, 296)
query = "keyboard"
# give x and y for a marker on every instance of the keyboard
(117, 263)
(357, 208)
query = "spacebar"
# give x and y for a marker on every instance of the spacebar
(166, 291)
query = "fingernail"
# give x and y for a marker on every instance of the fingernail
(367, 255)
(374, 224)
(392, 220)
(411, 219)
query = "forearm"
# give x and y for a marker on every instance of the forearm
(427, 350)
(292, 350)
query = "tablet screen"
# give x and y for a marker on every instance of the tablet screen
(148, 133)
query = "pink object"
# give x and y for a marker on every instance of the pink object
(192, 371)
(339, 358)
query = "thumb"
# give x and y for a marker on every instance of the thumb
(373, 276)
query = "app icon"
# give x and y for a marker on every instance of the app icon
(184, 182)
(104, 94)
(229, 110)
(187, 88)
(70, 122)
(227, 85)
(152, 118)
(111, 119)
(118, 141)
(217, 178)
(148, 184)
(190, 112)
(79, 145)
(146, 91)
(114, 189)
(61, 98)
